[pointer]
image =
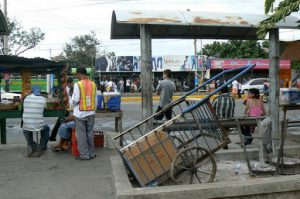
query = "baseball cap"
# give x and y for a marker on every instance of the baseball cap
(36, 90)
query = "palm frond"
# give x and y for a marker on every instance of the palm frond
(269, 6)
(284, 9)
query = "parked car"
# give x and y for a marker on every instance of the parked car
(9, 96)
(254, 83)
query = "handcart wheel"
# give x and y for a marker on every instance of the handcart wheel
(177, 141)
(193, 165)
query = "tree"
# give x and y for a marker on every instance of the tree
(236, 49)
(21, 40)
(59, 58)
(284, 9)
(81, 51)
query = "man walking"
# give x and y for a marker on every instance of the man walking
(165, 89)
(84, 100)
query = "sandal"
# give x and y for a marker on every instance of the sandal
(58, 149)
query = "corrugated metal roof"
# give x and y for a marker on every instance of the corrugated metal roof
(11, 63)
(3, 25)
(190, 25)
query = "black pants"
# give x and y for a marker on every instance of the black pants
(247, 132)
(167, 113)
(239, 94)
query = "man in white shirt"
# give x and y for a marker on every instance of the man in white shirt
(70, 88)
(235, 88)
(33, 120)
(84, 101)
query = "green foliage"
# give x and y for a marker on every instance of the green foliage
(236, 49)
(284, 9)
(81, 51)
(295, 65)
(21, 40)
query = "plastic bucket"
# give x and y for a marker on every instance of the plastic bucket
(75, 151)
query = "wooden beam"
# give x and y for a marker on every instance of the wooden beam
(146, 72)
(274, 81)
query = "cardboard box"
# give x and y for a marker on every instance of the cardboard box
(150, 157)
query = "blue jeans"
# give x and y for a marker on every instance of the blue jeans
(43, 141)
(64, 129)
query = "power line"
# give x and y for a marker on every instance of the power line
(63, 22)
(74, 6)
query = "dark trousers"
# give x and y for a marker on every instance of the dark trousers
(247, 132)
(167, 113)
(239, 94)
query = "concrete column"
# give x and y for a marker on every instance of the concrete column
(274, 81)
(146, 71)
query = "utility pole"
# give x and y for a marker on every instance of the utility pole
(5, 37)
(50, 51)
(196, 81)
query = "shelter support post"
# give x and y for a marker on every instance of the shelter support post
(274, 82)
(146, 72)
(3, 130)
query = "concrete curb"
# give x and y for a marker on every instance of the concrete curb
(156, 97)
(272, 187)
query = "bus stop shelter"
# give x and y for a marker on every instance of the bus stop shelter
(3, 25)
(148, 25)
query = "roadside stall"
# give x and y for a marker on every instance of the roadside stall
(56, 107)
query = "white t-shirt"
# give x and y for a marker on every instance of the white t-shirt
(127, 82)
(235, 84)
(70, 97)
(33, 118)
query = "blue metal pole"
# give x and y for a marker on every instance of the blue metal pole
(244, 69)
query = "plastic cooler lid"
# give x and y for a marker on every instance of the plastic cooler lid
(289, 89)
(111, 94)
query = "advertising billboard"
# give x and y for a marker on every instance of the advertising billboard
(178, 63)
(133, 63)
(235, 63)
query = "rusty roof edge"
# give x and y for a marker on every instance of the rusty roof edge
(183, 16)
(124, 16)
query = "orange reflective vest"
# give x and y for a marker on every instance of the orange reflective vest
(87, 95)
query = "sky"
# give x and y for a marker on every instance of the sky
(62, 20)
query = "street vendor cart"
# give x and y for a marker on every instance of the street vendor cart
(27, 67)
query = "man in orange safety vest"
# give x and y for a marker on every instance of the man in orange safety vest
(84, 100)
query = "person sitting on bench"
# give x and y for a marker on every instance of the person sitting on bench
(33, 121)
(64, 132)
(224, 106)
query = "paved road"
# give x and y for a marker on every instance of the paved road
(132, 115)
(59, 176)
